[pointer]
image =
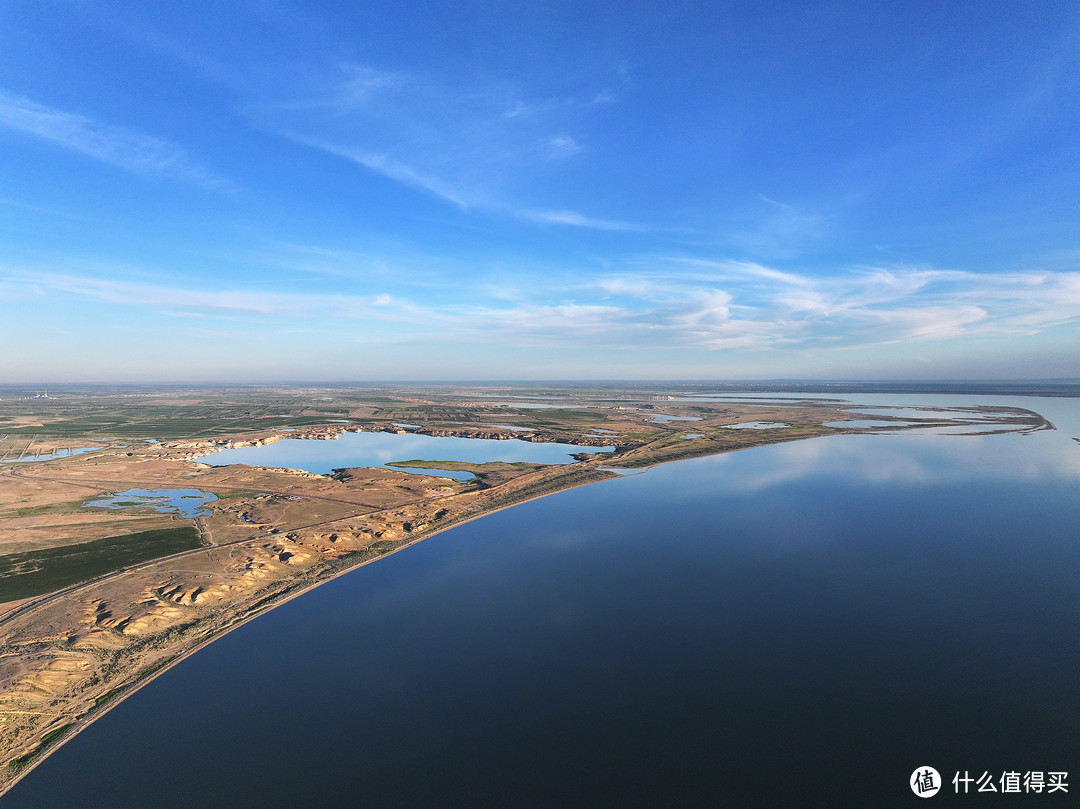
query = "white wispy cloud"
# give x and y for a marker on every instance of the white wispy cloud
(578, 220)
(393, 169)
(563, 146)
(920, 323)
(674, 305)
(13, 290)
(471, 145)
(132, 151)
(737, 270)
(774, 230)
(749, 306)
(628, 287)
(246, 301)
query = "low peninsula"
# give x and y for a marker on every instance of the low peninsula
(95, 601)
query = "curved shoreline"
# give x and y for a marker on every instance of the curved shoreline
(506, 494)
(272, 602)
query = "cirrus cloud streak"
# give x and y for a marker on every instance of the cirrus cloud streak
(130, 150)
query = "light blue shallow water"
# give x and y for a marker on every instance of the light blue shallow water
(48, 456)
(380, 449)
(186, 503)
(663, 419)
(792, 625)
(756, 425)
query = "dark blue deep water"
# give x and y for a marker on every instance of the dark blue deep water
(798, 625)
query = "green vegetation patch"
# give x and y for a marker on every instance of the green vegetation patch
(34, 573)
(160, 664)
(107, 696)
(566, 415)
(240, 494)
(18, 764)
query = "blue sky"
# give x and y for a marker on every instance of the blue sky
(269, 190)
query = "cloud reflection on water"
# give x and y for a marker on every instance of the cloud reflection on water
(888, 460)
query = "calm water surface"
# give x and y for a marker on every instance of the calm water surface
(184, 502)
(796, 625)
(321, 457)
(47, 456)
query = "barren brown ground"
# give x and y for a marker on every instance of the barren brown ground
(66, 657)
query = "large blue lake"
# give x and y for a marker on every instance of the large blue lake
(795, 625)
